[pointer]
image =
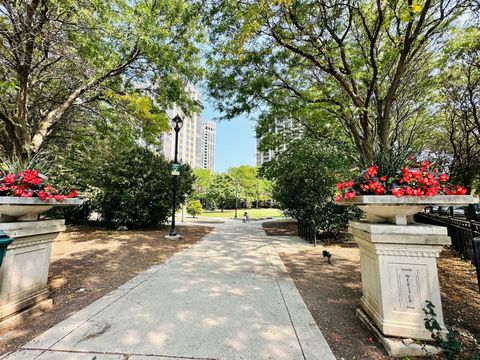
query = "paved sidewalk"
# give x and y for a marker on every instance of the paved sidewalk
(227, 297)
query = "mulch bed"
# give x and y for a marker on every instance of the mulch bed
(280, 227)
(88, 263)
(332, 293)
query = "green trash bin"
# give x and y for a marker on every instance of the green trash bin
(5, 240)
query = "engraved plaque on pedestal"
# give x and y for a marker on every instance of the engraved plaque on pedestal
(411, 287)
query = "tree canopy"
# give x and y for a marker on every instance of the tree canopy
(62, 58)
(366, 62)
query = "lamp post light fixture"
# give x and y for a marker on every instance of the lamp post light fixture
(177, 126)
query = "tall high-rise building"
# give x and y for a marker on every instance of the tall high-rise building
(284, 129)
(189, 137)
(208, 145)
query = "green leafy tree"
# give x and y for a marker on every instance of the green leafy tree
(368, 63)
(65, 59)
(194, 207)
(203, 181)
(460, 87)
(245, 181)
(125, 182)
(251, 187)
(221, 192)
(304, 178)
(263, 191)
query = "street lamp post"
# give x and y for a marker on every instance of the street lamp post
(178, 123)
(236, 197)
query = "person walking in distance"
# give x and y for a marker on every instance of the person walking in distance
(245, 217)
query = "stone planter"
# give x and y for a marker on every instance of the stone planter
(398, 261)
(24, 271)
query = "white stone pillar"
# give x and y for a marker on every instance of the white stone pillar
(24, 271)
(399, 273)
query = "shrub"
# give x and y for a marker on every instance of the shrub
(135, 188)
(194, 207)
(304, 178)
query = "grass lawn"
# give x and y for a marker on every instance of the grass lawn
(252, 213)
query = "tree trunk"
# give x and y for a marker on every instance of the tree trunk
(21, 128)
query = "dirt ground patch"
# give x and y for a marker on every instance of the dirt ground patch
(88, 263)
(281, 227)
(332, 293)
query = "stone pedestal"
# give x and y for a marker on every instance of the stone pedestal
(24, 271)
(399, 273)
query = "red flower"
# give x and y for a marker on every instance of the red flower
(59, 197)
(449, 191)
(406, 176)
(364, 187)
(42, 195)
(424, 166)
(443, 177)
(372, 170)
(17, 190)
(350, 195)
(338, 198)
(398, 192)
(3, 187)
(418, 192)
(420, 181)
(417, 175)
(30, 177)
(72, 194)
(9, 179)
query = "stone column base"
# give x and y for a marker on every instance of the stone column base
(24, 272)
(399, 274)
(397, 347)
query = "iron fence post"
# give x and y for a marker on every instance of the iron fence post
(476, 258)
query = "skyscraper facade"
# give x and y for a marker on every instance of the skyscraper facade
(208, 145)
(284, 129)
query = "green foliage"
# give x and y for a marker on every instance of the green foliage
(304, 178)
(221, 192)
(242, 184)
(450, 345)
(203, 180)
(194, 207)
(135, 189)
(459, 105)
(87, 60)
(332, 218)
(15, 164)
(390, 164)
(125, 182)
(249, 186)
(368, 64)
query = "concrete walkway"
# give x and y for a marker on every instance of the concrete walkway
(227, 297)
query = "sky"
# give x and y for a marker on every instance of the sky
(236, 144)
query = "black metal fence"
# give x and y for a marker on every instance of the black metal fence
(307, 230)
(465, 236)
